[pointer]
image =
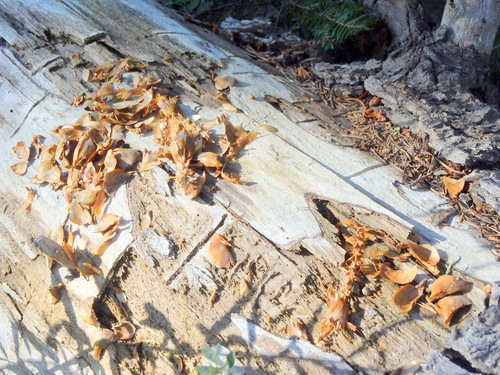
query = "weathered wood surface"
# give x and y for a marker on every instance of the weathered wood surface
(460, 17)
(283, 241)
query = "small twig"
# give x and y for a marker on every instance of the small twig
(362, 95)
(238, 265)
(426, 306)
(352, 136)
(448, 167)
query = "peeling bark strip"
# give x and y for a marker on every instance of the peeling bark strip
(281, 225)
(54, 250)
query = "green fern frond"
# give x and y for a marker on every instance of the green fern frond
(329, 21)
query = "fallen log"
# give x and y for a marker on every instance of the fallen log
(283, 225)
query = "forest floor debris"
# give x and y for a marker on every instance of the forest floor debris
(373, 131)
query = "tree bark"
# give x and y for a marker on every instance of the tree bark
(472, 23)
(434, 82)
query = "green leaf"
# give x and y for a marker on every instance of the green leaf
(211, 354)
(231, 358)
(207, 351)
(209, 370)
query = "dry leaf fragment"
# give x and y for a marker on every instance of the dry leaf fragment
(194, 187)
(19, 168)
(369, 269)
(88, 196)
(84, 150)
(87, 75)
(269, 128)
(448, 306)
(378, 250)
(36, 146)
(232, 177)
(445, 285)
(219, 253)
(298, 329)
(237, 139)
(182, 148)
(117, 133)
(26, 206)
(50, 262)
(21, 151)
(126, 158)
(229, 107)
(70, 238)
(136, 351)
(85, 266)
(426, 255)
(149, 161)
(224, 82)
(168, 106)
(55, 293)
(120, 294)
(302, 72)
(124, 331)
(244, 288)
(379, 116)
(337, 314)
(453, 185)
(76, 60)
(374, 101)
(48, 153)
(78, 100)
(70, 134)
(73, 178)
(397, 276)
(99, 202)
(47, 171)
(110, 162)
(87, 311)
(106, 240)
(78, 214)
(375, 251)
(363, 233)
(107, 222)
(113, 180)
(220, 119)
(214, 298)
(180, 364)
(406, 297)
(102, 339)
(210, 159)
